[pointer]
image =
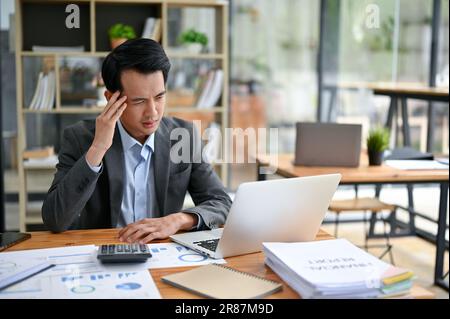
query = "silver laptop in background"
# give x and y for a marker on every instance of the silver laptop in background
(328, 144)
(283, 210)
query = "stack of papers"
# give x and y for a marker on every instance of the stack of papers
(415, 165)
(335, 269)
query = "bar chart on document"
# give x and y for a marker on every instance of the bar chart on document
(134, 284)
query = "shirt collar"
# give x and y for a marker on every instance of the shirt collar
(128, 141)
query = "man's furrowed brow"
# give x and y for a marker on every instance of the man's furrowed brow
(137, 98)
(161, 93)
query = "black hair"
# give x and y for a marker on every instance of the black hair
(143, 55)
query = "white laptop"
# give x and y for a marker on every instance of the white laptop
(283, 210)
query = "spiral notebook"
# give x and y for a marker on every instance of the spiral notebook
(221, 282)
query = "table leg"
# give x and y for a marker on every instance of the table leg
(410, 228)
(405, 124)
(391, 117)
(430, 128)
(440, 238)
(372, 221)
(412, 222)
(391, 112)
(332, 104)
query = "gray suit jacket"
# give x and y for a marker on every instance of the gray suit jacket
(82, 199)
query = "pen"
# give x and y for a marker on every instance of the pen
(28, 273)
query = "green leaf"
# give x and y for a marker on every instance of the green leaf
(193, 36)
(120, 30)
(378, 140)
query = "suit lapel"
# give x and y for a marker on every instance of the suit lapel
(115, 168)
(162, 165)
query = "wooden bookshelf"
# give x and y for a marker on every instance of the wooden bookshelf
(42, 22)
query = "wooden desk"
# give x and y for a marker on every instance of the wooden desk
(364, 174)
(398, 93)
(252, 263)
(419, 90)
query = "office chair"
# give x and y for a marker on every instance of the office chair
(373, 205)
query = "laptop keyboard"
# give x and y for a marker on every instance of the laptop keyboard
(210, 244)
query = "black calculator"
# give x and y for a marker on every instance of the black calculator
(123, 253)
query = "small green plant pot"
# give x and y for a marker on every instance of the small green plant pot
(375, 158)
(116, 42)
(194, 48)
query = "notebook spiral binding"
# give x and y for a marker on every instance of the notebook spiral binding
(246, 274)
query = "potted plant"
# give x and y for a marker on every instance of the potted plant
(194, 41)
(377, 143)
(119, 33)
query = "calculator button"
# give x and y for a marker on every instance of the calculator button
(143, 248)
(104, 249)
(111, 249)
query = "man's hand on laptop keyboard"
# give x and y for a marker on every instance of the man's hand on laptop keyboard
(148, 229)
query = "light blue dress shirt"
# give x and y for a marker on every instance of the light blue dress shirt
(139, 196)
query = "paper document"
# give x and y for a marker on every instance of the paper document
(167, 255)
(79, 265)
(13, 271)
(96, 285)
(81, 257)
(415, 165)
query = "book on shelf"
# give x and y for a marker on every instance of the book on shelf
(148, 27)
(152, 29)
(39, 152)
(204, 84)
(60, 49)
(156, 34)
(51, 91)
(210, 89)
(44, 94)
(44, 162)
(336, 269)
(37, 92)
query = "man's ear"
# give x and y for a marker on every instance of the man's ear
(108, 95)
